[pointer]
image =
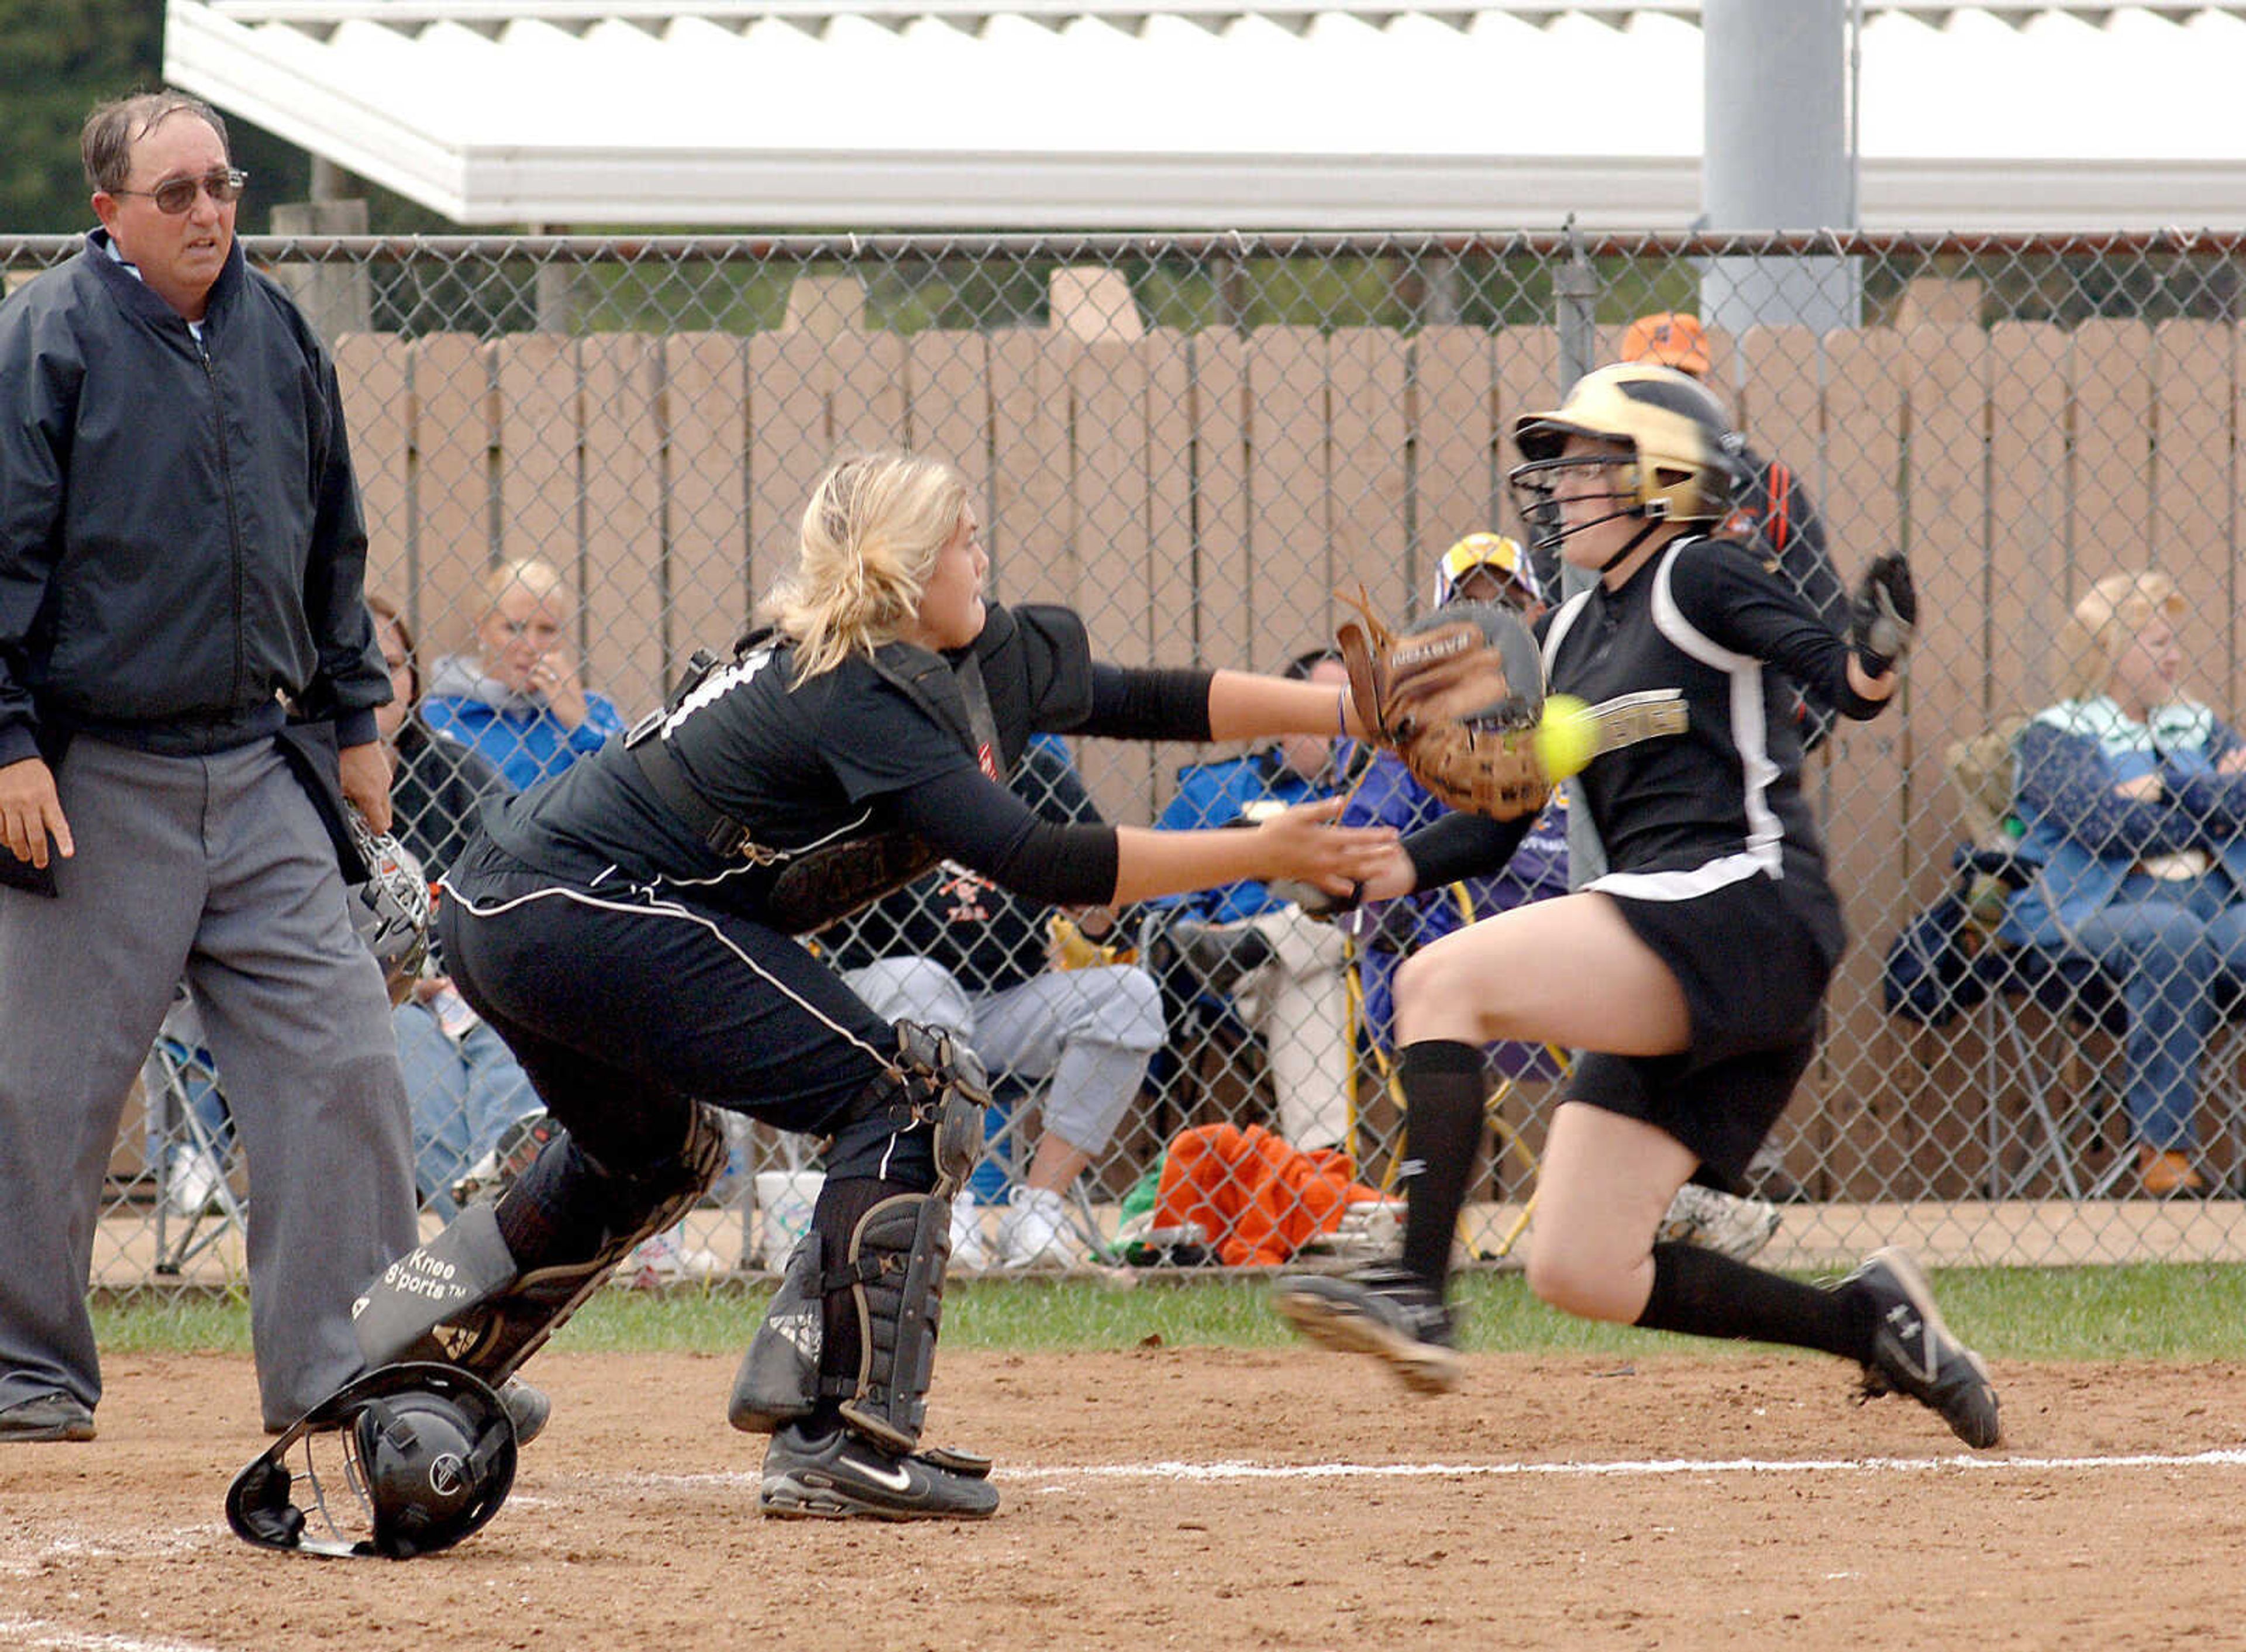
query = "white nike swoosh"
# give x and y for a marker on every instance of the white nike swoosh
(896, 1478)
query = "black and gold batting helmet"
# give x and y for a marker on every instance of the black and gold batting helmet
(1663, 433)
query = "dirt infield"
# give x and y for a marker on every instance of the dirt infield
(1211, 1499)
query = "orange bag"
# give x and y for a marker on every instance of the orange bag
(1258, 1199)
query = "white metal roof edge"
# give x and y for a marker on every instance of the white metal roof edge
(229, 67)
(317, 14)
(931, 190)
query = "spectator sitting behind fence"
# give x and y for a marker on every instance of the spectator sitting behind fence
(961, 952)
(1284, 969)
(2131, 798)
(180, 547)
(1492, 567)
(520, 700)
(463, 1082)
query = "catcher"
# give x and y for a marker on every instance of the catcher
(1694, 971)
(863, 735)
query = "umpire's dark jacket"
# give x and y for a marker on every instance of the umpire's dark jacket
(180, 537)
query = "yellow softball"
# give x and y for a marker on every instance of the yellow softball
(1567, 736)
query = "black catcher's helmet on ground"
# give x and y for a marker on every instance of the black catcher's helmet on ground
(425, 1453)
(1664, 438)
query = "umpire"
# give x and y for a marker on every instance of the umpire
(180, 547)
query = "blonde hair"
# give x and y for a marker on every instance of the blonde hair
(534, 575)
(2105, 622)
(870, 538)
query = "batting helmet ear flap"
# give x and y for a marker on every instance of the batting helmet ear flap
(428, 1455)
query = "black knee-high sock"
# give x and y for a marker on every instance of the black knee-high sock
(1443, 1129)
(841, 1204)
(1703, 1294)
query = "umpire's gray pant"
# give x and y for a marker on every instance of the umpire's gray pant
(218, 868)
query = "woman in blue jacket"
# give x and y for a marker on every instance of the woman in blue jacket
(2132, 799)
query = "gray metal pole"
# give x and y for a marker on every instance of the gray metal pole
(1776, 155)
(1574, 300)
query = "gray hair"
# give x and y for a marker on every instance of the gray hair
(105, 143)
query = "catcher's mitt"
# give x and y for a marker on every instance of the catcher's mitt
(1467, 660)
(1458, 696)
(1485, 764)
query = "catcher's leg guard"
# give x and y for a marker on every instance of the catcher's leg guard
(466, 1299)
(778, 1378)
(945, 1084)
(896, 1268)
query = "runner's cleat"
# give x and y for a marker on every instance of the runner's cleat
(1913, 1352)
(843, 1476)
(1381, 1310)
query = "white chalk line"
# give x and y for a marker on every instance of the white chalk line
(37, 1635)
(1238, 1472)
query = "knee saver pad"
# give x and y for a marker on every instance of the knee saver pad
(464, 1298)
(778, 1378)
(896, 1261)
(459, 1271)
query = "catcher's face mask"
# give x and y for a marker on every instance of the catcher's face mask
(405, 1460)
(390, 909)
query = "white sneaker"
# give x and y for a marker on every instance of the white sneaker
(1035, 1232)
(1722, 1222)
(192, 1178)
(968, 1254)
(667, 1259)
(1369, 1231)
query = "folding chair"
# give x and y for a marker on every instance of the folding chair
(2065, 1124)
(168, 1078)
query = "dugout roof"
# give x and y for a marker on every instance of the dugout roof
(1178, 115)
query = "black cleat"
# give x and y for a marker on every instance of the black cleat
(46, 1416)
(1913, 1352)
(843, 1476)
(1381, 1310)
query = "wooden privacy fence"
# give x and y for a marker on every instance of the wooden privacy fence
(1201, 497)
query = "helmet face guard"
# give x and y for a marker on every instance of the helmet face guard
(421, 1455)
(390, 909)
(1662, 442)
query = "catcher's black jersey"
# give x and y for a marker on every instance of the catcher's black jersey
(802, 765)
(1683, 814)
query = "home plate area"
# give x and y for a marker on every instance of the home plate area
(1206, 1497)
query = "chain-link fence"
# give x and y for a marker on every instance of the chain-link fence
(1197, 443)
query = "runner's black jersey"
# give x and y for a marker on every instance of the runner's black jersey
(1683, 813)
(852, 751)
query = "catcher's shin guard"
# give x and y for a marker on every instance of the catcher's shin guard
(778, 1378)
(896, 1268)
(464, 1298)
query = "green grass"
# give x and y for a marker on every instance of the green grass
(2170, 1313)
